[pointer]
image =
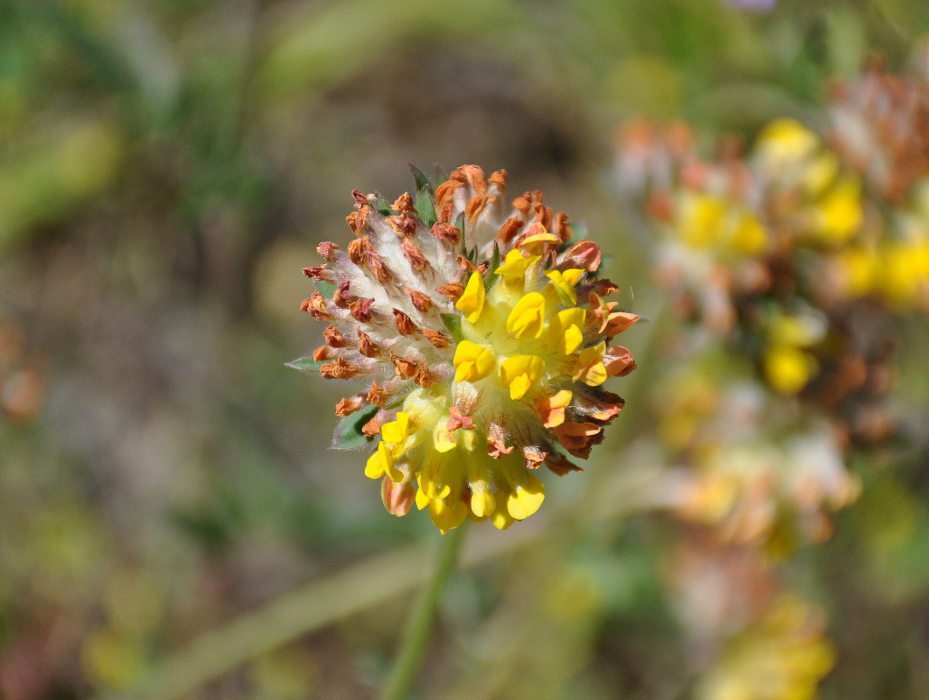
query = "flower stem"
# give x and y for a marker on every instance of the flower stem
(410, 656)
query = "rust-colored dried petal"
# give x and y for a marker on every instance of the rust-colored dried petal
(349, 405)
(534, 456)
(339, 369)
(473, 175)
(560, 465)
(323, 352)
(446, 232)
(421, 301)
(457, 420)
(579, 438)
(404, 323)
(378, 268)
(316, 306)
(377, 396)
(562, 227)
(585, 255)
(372, 427)
(465, 264)
(618, 361)
(498, 178)
(619, 321)
(342, 297)
(437, 338)
(414, 255)
(333, 338)
(361, 310)
(444, 196)
(366, 346)
(496, 441)
(475, 206)
(403, 224)
(509, 230)
(424, 377)
(405, 368)
(404, 204)
(326, 249)
(451, 291)
(357, 220)
(357, 250)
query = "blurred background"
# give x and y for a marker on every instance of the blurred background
(168, 167)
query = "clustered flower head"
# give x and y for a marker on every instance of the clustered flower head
(486, 336)
(797, 252)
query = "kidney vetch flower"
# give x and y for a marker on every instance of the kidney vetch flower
(484, 332)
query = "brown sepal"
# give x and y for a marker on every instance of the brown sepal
(509, 230)
(357, 220)
(323, 352)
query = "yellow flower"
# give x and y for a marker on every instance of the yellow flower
(480, 373)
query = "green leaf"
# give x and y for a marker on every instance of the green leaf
(383, 207)
(305, 364)
(422, 182)
(453, 324)
(348, 433)
(425, 209)
(326, 288)
(440, 176)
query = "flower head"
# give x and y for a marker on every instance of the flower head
(484, 333)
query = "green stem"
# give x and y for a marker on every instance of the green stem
(419, 628)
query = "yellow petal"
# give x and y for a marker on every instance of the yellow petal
(589, 367)
(396, 431)
(515, 265)
(526, 498)
(471, 302)
(565, 330)
(520, 372)
(564, 282)
(527, 317)
(483, 503)
(380, 462)
(501, 518)
(472, 362)
(444, 439)
(447, 514)
(535, 243)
